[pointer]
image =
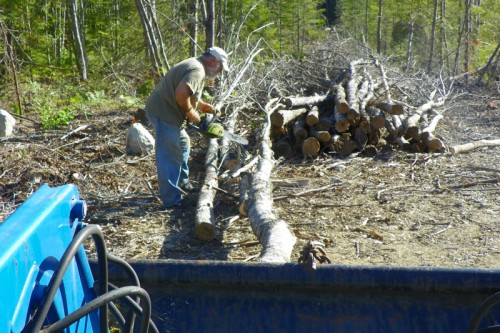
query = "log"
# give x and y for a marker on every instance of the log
(402, 142)
(310, 147)
(326, 121)
(412, 128)
(341, 122)
(299, 131)
(432, 143)
(279, 118)
(283, 148)
(398, 125)
(205, 220)
(360, 138)
(312, 117)
(343, 144)
(377, 117)
(294, 102)
(354, 117)
(474, 145)
(322, 136)
(431, 127)
(391, 108)
(274, 234)
(340, 99)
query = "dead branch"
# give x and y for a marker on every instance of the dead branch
(474, 145)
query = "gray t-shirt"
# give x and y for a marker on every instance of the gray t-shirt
(162, 102)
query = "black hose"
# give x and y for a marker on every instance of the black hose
(136, 308)
(481, 312)
(102, 301)
(56, 279)
(134, 281)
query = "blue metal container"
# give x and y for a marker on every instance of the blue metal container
(212, 296)
(33, 240)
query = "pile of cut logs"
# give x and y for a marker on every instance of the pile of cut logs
(353, 117)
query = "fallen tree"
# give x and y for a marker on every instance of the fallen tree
(274, 234)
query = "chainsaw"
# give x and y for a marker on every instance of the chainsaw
(211, 127)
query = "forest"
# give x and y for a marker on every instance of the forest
(64, 58)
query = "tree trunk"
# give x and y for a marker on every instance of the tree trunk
(379, 26)
(209, 24)
(205, 219)
(78, 40)
(193, 28)
(153, 48)
(410, 41)
(274, 234)
(433, 37)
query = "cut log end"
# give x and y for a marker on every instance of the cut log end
(310, 147)
(204, 231)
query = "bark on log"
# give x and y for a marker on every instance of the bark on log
(377, 117)
(341, 122)
(431, 127)
(274, 234)
(322, 136)
(205, 219)
(474, 145)
(293, 102)
(412, 128)
(280, 118)
(340, 99)
(299, 131)
(312, 117)
(402, 142)
(390, 108)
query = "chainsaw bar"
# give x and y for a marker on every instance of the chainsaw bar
(235, 138)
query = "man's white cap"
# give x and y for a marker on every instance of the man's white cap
(220, 55)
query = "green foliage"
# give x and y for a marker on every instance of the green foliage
(52, 119)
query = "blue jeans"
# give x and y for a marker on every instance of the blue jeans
(172, 149)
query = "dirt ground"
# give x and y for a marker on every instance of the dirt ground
(397, 208)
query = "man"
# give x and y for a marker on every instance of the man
(176, 98)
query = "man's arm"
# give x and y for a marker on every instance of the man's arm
(183, 97)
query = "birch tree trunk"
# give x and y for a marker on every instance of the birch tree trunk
(152, 35)
(78, 40)
(274, 234)
(410, 41)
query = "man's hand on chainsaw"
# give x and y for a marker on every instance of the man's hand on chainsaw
(193, 116)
